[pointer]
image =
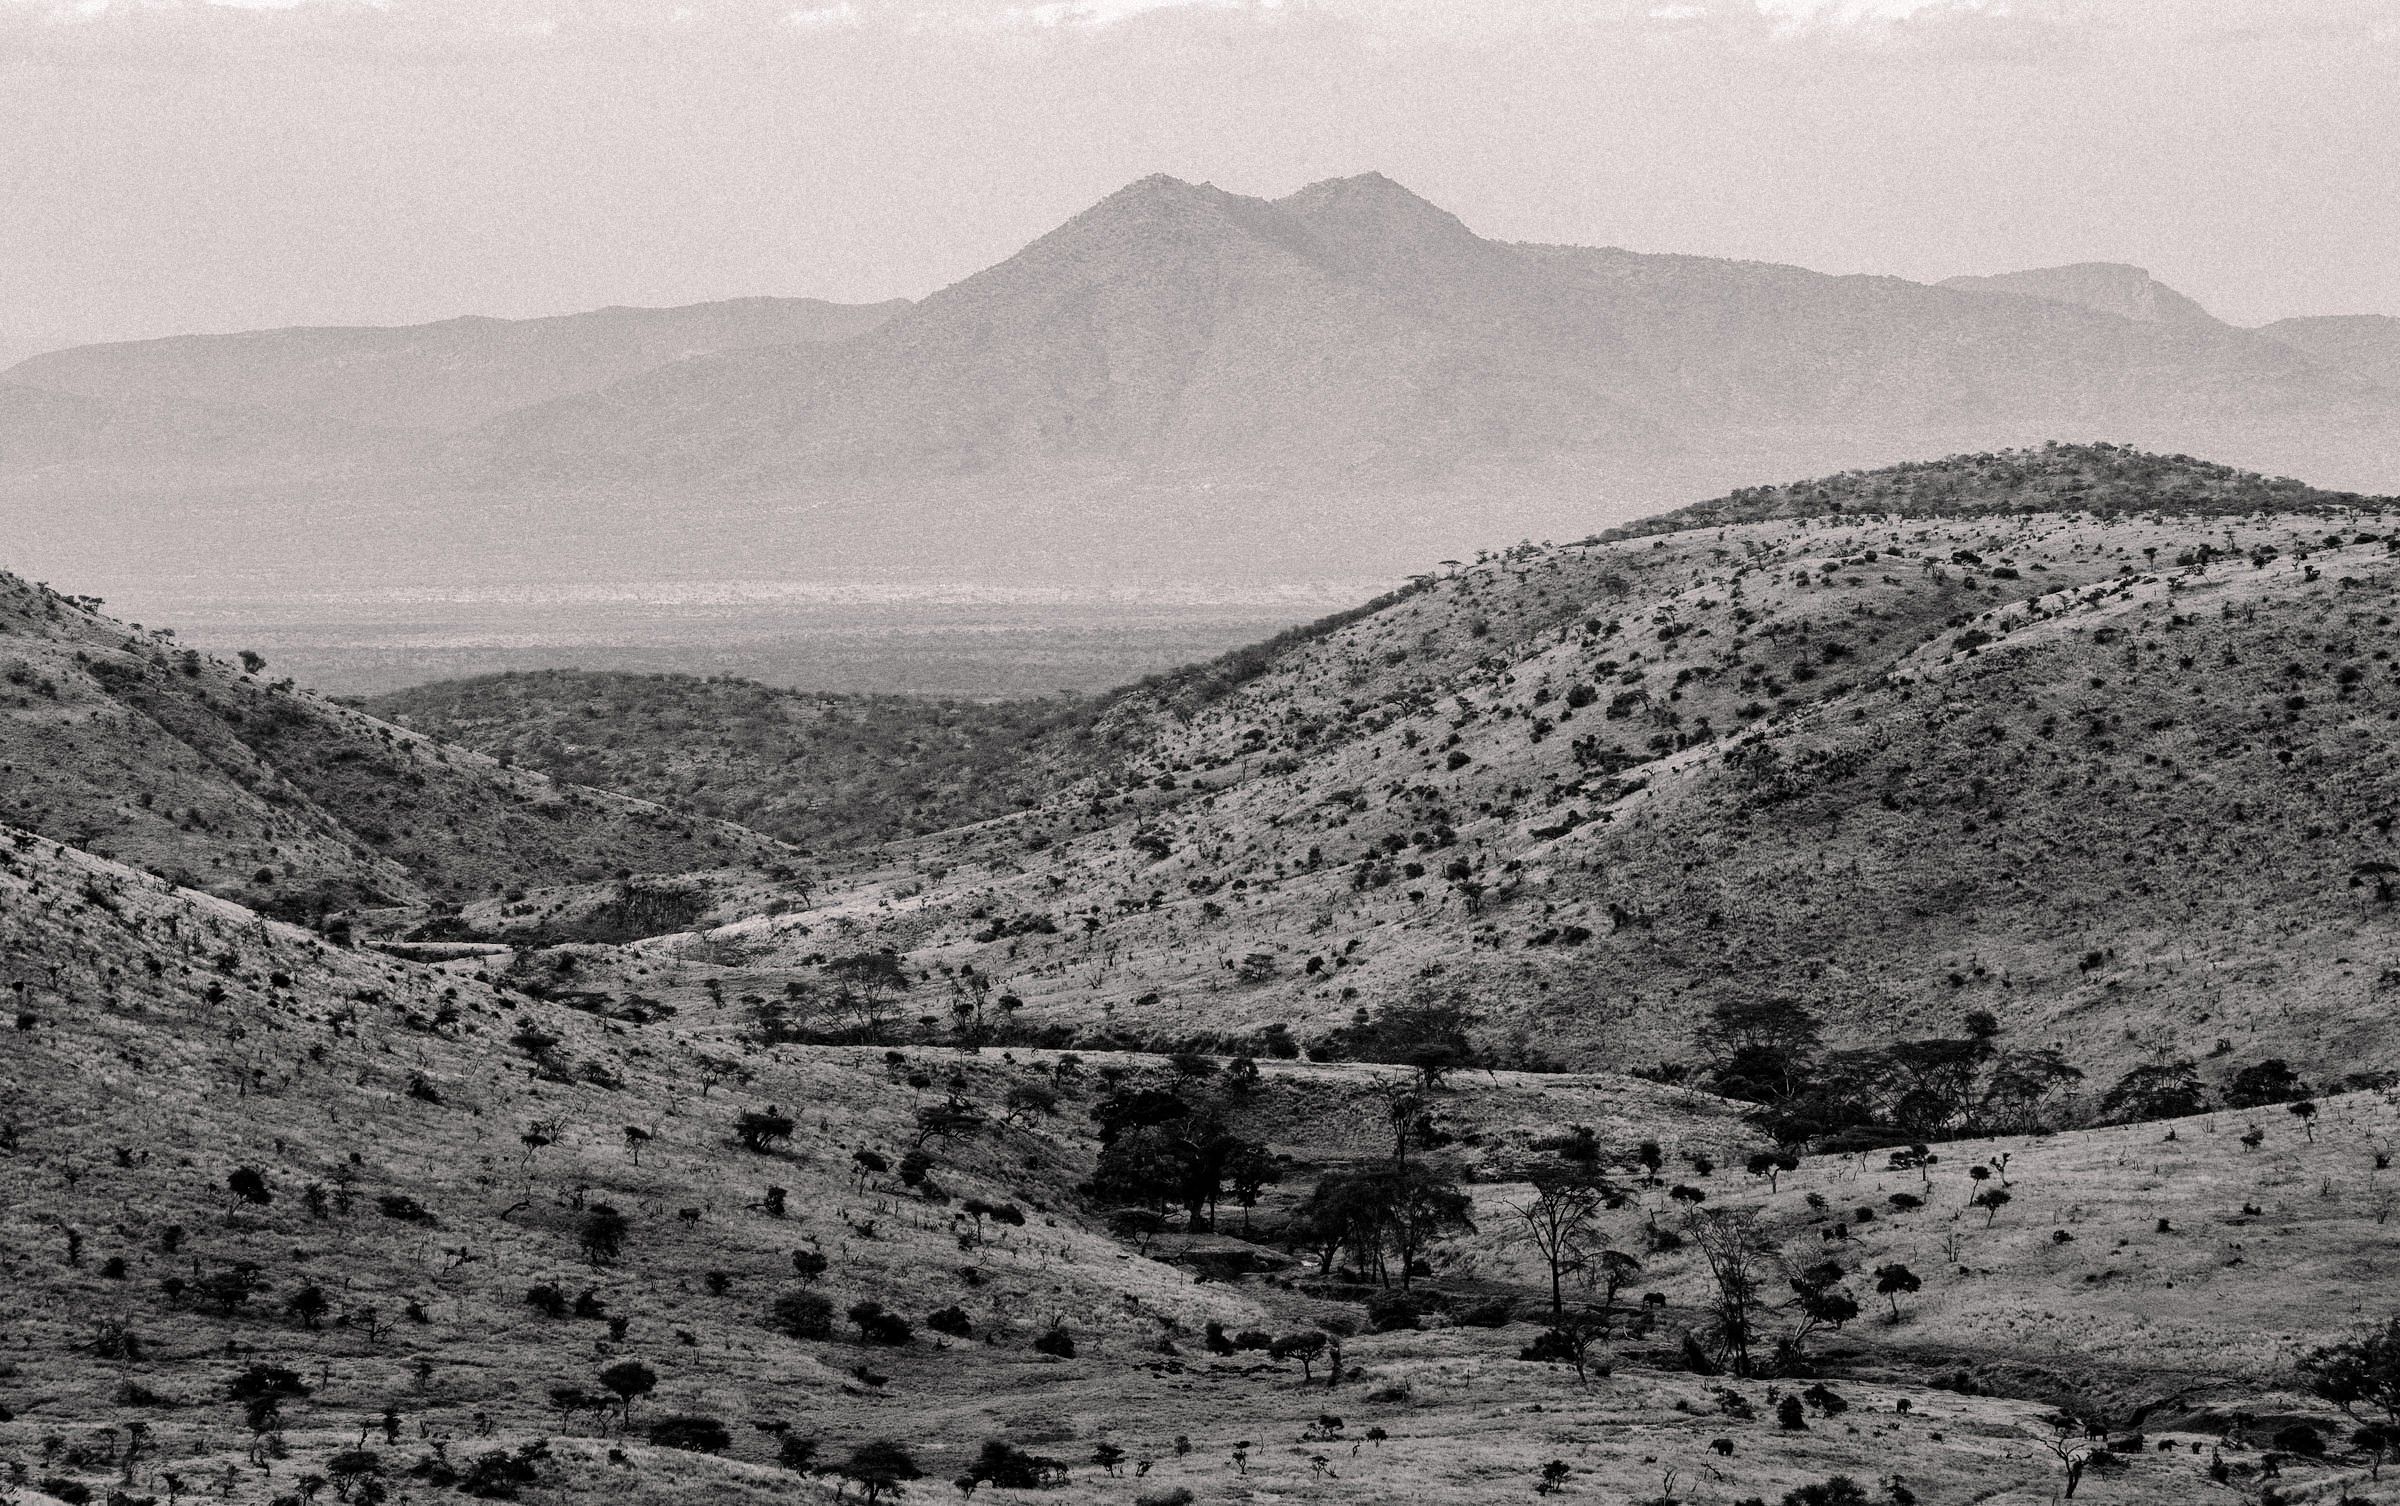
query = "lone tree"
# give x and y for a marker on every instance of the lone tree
(1818, 1300)
(1609, 1271)
(881, 1469)
(629, 1380)
(1568, 1340)
(2069, 1445)
(865, 983)
(2361, 1376)
(1771, 1164)
(603, 1234)
(1741, 1259)
(1304, 1347)
(1561, 1223)
(953, 1119)
(2306, 1112)
(762, 1131)
(1895, 1281)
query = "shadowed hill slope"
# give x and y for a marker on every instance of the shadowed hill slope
(818, 770)
(121, 742)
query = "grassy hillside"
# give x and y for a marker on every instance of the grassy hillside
(2112, 781)
(231, 1146)
(2117, 776)
(121, 742)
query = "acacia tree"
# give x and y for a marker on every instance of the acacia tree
(629, 1380)
(1758, 1050)
(762, 1131)
(2068, 1444)
(1249, 1171)
(1382, 1216)
(1569, 1339)
(1419, 1208)
(1771, 1164)
(1342, 1213)
(1741, 1260)
(2361, 1375)
(881, 1468)
(1894, 1281)
(1304, 1347)
(2157, 1090)
(1561, 1222)
(1609, 1271)
(1818, 1300)
(866, 983)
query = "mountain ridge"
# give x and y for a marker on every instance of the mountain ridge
(2128, 292)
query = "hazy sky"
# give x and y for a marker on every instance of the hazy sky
(172, 165)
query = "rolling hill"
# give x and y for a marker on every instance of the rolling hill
(1595, 789)
(575, 1195)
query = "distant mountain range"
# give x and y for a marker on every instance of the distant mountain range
(450, 375)
(1178, 383)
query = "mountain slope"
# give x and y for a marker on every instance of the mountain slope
(1353, 333)
(448, 375)
(175, 441)
(118, 741)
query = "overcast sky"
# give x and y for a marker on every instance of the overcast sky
(175, 165)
